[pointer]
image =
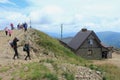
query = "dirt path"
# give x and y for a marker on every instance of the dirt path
(114, 60)
(6, 53)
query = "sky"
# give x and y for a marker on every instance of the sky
(48, 15)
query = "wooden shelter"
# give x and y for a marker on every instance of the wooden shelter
(87, 45)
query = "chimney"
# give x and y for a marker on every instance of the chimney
(83, 29)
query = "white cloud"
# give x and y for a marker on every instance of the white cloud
(12, 17)
(16, 17)
(4, 1)
(98, 15)
(7, 2)
(82, 12)
(47, 15)
(52, 9)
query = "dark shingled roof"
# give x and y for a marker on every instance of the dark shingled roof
(80, 37)
(67, 40)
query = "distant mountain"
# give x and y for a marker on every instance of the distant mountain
(58, 35)
(110, 38)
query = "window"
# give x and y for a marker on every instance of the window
(89, 52)
(91, 41)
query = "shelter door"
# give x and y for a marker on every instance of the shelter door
(104, 54)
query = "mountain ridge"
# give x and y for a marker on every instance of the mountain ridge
(109, 38)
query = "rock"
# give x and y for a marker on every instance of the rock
(64, 68)
(98, 72)
(26, 69)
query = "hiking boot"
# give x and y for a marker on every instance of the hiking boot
(25, 59)
(13, 58)
(18, 57)
(29, 58)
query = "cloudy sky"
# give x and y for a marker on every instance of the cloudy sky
(48, 15)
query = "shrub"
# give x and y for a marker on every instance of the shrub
(93, 67)
(69, 76)
(50, 76)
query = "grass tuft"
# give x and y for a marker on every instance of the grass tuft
(69, 76)
(50, 76)
(4, 69)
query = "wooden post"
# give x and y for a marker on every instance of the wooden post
(30, 24)
(61, 31)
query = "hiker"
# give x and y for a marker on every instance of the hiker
(15, 40)
(25, 25)
(18, 26)
(12, 27)
(26, 48)
(6, 30)
(9, 32)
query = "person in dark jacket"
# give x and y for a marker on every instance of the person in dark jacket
(15, 40)
(6, 30)
(27, 49)
(25, 25)
(12, 26)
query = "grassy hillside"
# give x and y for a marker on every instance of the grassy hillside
(59, 51)
(52, 61)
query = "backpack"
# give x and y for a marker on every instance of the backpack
(11, 44)
(24, 48)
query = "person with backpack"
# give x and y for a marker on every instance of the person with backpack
(26, 48)
(14, 44)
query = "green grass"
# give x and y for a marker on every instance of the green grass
(66, 56)
(4, 69)
(35, 71)
(69, 76)
(60, 52)
(50, 76)
(62, 55)
(110, 72)
(38, 71)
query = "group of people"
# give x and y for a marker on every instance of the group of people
(26, 48)
(13, 43)
(8, 31)
(22, 26)
(19, 26)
